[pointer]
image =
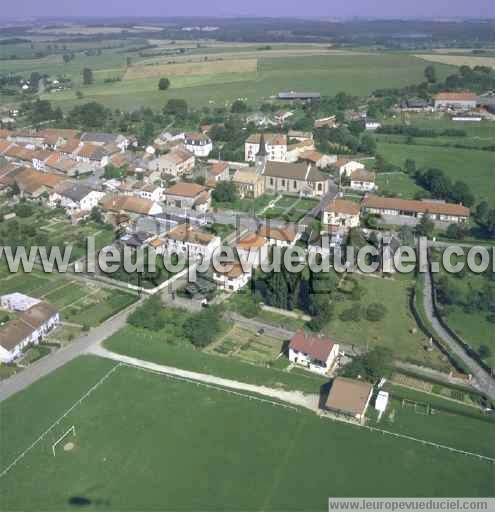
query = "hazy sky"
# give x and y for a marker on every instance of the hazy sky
(276, 8)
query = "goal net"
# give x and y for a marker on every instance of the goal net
(70, 431)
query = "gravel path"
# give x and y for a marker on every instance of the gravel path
(296, 398)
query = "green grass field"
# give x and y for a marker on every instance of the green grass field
(146, 442)
(472, 166)
(397, 184)
(326, 74)
(397, 331)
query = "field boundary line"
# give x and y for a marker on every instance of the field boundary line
(56, 422)
(213, 386)
(430, 443)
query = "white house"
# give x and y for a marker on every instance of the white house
(363, 180)
(17, 301)
(347, 167)
(150, 192)
(316, 353)
(75, 197)
(233, 279)
(275, 145)
(372, 125)
(185, 238)
(340, 216)
(198, 143)
(28, 328)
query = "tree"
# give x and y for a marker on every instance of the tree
(368, 144)
(406, 235)
(96, 215)
(87, 76)
(149, 315)
(484, 351)
(430, 74)
(425, 227)
(176, 107)
(375, 312)
(410, 166)
(457, 231)
(225, 192)
(239, 107)
(374, 365)
(163, 84)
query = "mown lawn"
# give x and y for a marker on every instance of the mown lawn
(146, 442)
(472, 166)
(397, 185)
(397, 330)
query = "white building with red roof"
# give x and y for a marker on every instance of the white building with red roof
(455, 101)
(316, 353)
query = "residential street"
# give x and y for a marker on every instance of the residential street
(58, 358)
(485, 382)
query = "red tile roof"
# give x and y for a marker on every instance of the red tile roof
(315, 346)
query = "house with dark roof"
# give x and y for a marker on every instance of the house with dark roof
(316, 353)
(295, 178)
(105, 139)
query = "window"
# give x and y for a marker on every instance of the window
(319, 186)
(295, 184)
(271, 181)
(283, 183)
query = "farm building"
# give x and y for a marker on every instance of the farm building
(28, 328)
(349, 397)
(295, 95)
(455, 101)
(316, 353)
(439, 211)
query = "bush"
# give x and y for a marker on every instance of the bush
(375, 312)
(163, 84)
(353, 314)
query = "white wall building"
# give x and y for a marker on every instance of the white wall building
(317, 354)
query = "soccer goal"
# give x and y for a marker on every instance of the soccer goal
(68, 432)
(418, 407)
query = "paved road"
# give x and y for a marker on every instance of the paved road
(485, 382)
(52, 362)
(297, 398)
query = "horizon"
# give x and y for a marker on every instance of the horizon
(358, 9)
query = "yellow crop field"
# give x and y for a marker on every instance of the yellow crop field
(191, 68)
(459, 60)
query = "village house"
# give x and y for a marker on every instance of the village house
(40, 157)
(316, 353)
(438, 211)
(251, 248)
(130, 205)
(187, 196)
(151, 192)
(260, 120)
(198, 143)
(74, 197)
(54, 137)
(340, 216)
(282, 116)
(233, 279)
(168, 136)
(106, 139)
(249, 183)
(33, 183)
(346, 167)
(295, 178)
(363, 181)
(68, 167)
(325, 122)
(318, 159)
(29, 327)
(218, 171)
(350, 398)
(455, 101)
(177, 162)
(275, 144)
(294, 151)
(281, 236)
(300, 136)
(185, 238)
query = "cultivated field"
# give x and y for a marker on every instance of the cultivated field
(148, 442)
(459, 60)
(192, 68)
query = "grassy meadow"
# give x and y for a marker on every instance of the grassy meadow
(353, 72)
(142, 439)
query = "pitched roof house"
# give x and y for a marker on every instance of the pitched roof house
(316, 353)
